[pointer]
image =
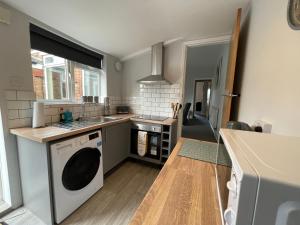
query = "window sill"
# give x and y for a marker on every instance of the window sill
(65, 103)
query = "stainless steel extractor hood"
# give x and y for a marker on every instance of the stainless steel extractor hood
(157, 66)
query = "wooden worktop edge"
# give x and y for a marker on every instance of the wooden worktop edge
(28, 133)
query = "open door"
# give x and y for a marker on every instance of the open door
(231, 69)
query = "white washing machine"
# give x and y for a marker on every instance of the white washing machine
(77, 172)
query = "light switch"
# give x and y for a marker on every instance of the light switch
(4, 15)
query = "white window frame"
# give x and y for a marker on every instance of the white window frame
(70, 82)
(83, 82)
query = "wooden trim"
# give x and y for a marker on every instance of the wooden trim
(200, 42)
(208, 41)
(231, 69)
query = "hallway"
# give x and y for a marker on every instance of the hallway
(198, 128)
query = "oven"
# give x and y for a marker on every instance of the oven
(152, 142)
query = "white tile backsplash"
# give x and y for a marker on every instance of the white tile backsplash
(51, 111)
(20, 122)
(13, 114)
(154, 99)
(150, 100)
(11, 95)
(25, 113)
(25, 95)
(19, 104)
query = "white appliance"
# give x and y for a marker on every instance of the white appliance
(77, 172)
(262, 184)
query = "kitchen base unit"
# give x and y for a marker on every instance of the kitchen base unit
(116, 143)
(156, 143)
(46, 171)
(35, 172)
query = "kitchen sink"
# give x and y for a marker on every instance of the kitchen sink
(110, 118)
(85, 122)
(101, 119)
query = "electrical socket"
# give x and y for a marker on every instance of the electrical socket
(266, 126)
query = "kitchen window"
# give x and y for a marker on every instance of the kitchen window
(63, 70)
(56, 78)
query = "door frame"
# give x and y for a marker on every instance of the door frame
(194, 97)
(231, 69)
(225, 39)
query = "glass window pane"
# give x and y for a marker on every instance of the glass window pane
(49, 73)
(91, 83)
(56, 82)
(51, 79)
(38, 74)
(87, 81)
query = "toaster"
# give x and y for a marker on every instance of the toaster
(122, 109)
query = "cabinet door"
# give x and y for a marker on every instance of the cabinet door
(116, 143)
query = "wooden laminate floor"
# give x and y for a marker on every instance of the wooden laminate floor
(114, 204)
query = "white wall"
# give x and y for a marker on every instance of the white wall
(133, 70)
(114, 77)
(269, 68)
(15, 71)
(140, 66)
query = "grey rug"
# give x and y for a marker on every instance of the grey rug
(204, 151)
(199, 129)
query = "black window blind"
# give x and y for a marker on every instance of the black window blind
(48, 42)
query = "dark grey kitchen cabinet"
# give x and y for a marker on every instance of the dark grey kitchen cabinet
(116, 144)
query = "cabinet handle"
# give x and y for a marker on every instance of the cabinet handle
(104, 136)
(232, 95)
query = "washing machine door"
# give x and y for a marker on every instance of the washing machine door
(81, 168)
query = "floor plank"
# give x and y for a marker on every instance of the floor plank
(114, 204)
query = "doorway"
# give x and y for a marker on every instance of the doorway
(202, 94)
(205, 78)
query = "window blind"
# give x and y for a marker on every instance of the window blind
(51, 43)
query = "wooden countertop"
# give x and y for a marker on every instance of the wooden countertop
(51, 133)
(185, 192)
(168, 121)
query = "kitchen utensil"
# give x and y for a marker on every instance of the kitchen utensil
(178, 107)
(106, 106)
(173, 108)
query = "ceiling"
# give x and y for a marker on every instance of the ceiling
(122, 27)
(204, 58)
